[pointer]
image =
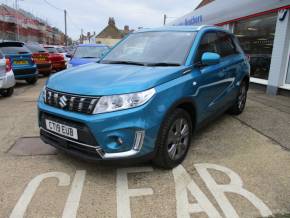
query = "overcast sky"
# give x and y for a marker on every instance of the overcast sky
(92, 15)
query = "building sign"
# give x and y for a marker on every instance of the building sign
(194, 20)
(217, 12)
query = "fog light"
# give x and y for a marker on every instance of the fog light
(139, 138)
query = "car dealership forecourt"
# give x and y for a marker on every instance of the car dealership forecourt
(88, 190)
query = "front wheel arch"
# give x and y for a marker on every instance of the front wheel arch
(186, 104)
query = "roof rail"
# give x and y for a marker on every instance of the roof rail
(203, 26)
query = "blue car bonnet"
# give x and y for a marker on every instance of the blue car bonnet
(108, 79)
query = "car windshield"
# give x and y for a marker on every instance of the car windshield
(51, 49)
(35, 48)
(152, 48)
(89, 51)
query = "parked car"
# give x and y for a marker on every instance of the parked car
(147, 96)
(87, 53)
(41, 57)
(63, 52)
(7, 80)
(57, 60)
(70, 50)
(20, 57)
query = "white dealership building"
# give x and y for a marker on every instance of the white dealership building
(263, 28)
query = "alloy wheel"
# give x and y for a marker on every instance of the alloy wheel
(178, 139)
(242, 97)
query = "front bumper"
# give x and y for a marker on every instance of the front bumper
(127, 134)
(7, 80)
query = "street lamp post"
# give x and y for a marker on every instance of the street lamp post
(17, 19)
(65, 28)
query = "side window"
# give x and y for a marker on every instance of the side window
(208, 43)
(226, 45)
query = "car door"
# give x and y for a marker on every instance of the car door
(211, 80)
(231, 59)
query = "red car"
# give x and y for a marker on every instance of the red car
(57, 60)
(41, 58)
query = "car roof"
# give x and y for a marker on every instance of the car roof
(180, 28)
(92, 45)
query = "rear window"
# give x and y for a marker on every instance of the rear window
(60, 50)
(14, 49)
(35, 48)
(51, 49)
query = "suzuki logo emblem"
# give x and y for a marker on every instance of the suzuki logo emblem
(63, 101)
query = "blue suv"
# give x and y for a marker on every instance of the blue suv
(147, 96)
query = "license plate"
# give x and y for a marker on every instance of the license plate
(20, 62)
(40, 59)
(61, 129)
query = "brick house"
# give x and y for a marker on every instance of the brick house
(110, 35)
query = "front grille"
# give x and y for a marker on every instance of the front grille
(69, 102)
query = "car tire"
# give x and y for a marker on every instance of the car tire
(45, 74)
(7, 92)
(241, 100)
(173, 140)
(31, 81)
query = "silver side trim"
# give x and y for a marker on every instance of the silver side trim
(120, 154)
(79, 143)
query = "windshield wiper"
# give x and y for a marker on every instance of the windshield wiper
(162, 64)
(123, 62)
(88, 57)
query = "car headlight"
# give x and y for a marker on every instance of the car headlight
(121, 102)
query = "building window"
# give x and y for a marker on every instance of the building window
(256, 36)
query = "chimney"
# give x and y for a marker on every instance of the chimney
(126, 29)
(111, 21)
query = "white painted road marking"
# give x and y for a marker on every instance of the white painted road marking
(124, 193)
(21, 206)
(183, 182)
(73, 200)
(235, 186)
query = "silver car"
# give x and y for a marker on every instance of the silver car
(7, 80)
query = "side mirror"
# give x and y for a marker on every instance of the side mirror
(210, 58)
